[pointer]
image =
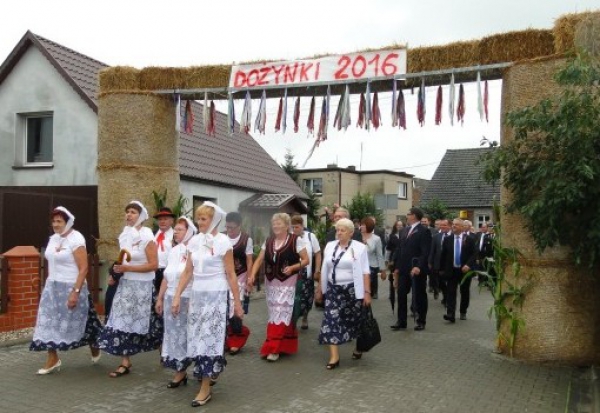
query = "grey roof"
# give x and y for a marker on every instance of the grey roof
(273, 201)
(458, 182)
(236, 161)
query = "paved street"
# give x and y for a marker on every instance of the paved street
(446, 368)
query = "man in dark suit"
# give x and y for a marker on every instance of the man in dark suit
(458, 257)
(435, 255)
(411, 268)
(485, 249)
(338, 214)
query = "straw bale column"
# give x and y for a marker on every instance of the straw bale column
(138, 152)
(562, 309)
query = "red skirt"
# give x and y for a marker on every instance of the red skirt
(281, 338)
(236, 340)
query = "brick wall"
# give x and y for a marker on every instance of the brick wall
(23, 288)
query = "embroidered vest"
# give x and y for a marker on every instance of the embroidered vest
(239, 254)
(277, 260)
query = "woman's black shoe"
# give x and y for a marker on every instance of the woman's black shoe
(331, 366)
(175, 384)
(356, 356)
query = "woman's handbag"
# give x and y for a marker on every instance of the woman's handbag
(368, 334)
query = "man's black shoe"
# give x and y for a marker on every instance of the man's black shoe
(398, 326)
(419, 327)
(449, 318)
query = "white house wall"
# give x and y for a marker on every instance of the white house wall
(34, 85)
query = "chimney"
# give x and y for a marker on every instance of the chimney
(332, 165)
(351, 168)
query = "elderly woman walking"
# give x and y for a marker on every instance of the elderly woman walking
(284, 256)
(133, 326)
(345, 284)
(174, 348)
(66, 317)
(210, 264)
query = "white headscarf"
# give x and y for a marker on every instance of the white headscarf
(70, 221)
(218, 216)
(130, 235)
(191, 230)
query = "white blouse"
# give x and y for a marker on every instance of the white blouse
(352, 267)
(138, 255)
(175, 265)
(61, 261)
(208, 261)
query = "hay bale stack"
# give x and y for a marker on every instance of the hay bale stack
(119, 78)
(587, 34)
(458, 54)
(195, 77)
(515, 46)
(561, 309)
(138, 152)
(564, 30)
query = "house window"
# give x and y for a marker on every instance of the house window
(199, 200)
(402, 190)
(482, 219)
(38, 138)
(314, 185)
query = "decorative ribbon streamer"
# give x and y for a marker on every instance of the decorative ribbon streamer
(421, 103)
(368, 114)
(296, 114)
(460, 110)
(279, 113)
(177, 102)
(322, 133)
(211, 119)
(376, 113)
(451, 99)
(230, 114)
(188, 118)
(479, 98)
(394, 104)
(361, 111)
(401, 110)
(261, 116)
(486, 97)
(346, 119)
(246, 121)
(438, 106)
(337, 119)
(310, 123)
(205, 114)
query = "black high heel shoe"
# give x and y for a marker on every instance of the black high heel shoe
(331, 366)
(175, 384)
(356, 356)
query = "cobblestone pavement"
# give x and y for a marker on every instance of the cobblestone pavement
(446, 368)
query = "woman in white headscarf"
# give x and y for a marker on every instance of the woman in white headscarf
(174, 348)
(210, 263)
(66, 317)
(133, 326)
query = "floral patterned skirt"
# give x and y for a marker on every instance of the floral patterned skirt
(342, 315)
(133, 326)
(307, 294)
(174, 348)
(207, 323)
(59, 328)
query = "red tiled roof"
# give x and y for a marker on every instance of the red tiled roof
(236, 161)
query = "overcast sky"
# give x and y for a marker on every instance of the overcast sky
(189, 32)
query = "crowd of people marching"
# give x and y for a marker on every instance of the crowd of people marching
(185, 289)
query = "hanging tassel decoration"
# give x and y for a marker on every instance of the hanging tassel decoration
(479, 98)
(327, 107)
(211, 119)
(438, 106)
(188, 118)
(394, 104)
(361, 111)
(284, 115)
(230, 114)
(177, 102)
(401, 110)
(205, 114)
(368, 114)
(375, 112)
(261, 116)
(337, 120)
(451, 99)
(279, 114)
(322, 133)
(460, 109)
(346, 119)
(310, 123)
(421, 104)
(246, 121)
(296, 114)
(486, 97)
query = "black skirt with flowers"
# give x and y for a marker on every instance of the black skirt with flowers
(342, 315)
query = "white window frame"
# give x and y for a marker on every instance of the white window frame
(21, 125)
(486, 218)
(309, 183)
(402, 188)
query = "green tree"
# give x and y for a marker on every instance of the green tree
(289, 166)
(436, 209)
(363, 205)
(552, 166)
(313, 204)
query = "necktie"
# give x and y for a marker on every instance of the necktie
(410, 231)
(160, 239)
(457, 251)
